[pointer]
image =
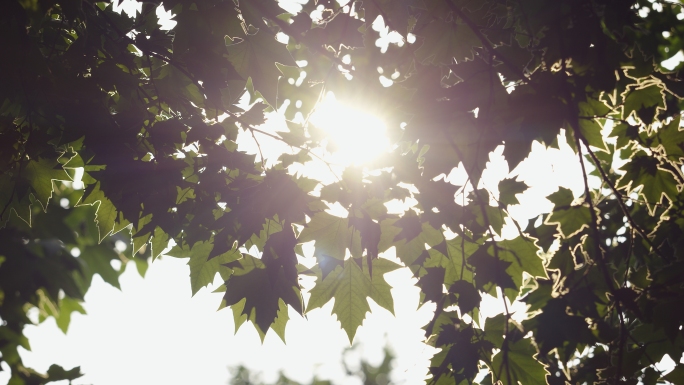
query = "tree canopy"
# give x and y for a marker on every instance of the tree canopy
(115, 130)
(365, 372)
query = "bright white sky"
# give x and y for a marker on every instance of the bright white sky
(153, 332)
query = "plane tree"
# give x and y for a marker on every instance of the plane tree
(115, 131)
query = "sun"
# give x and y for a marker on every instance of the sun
(355, 137)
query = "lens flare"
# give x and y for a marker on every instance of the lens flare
(354, 136)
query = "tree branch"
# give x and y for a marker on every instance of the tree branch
(599, 257)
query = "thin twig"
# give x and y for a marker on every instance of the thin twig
(261, 154)
(629, 256)
(149, 63)
(648, 357)
(308, 151)
(573, 114)
(621, 203)
(488, 225)
(504, 346)
(599, 257)
(487, 45)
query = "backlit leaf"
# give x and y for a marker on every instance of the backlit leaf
(41, 174)
(520, 364)
(255, 57)
(350, 286)
(508, 189)
(332, 235)
(106, 212)
(202, 269)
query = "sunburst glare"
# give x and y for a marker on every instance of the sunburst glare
(355, 137)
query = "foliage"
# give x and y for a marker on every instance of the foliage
(145, 119)
(366, 373)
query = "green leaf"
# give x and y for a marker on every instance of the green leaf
(494, 329)
(202, 269)
(645, 101)
(255, 57)
(269, 228)
(350, 286)
(141, 265)
(655, 182)
(557, 328)
(431, 284)
(257, 290)
(671, 138)
(67, 306)
(491, 270)
(380, 289)
(569, 219)
(278, 325)
(590, 111)
(106, 214)
(40, 174)
(410, 226)
(508, 189)
(624, 133)
(332, 236)
(520, 364)
(184, 194)
(452, 255)
(159, 242)
(522, 253)
(408, 251)
(446, 42)
(591, 131)
(468, 296)
(562, 197)
(98, 260)
(255, 115)
(58, 373)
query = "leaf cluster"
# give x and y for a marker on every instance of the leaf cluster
(114, 130)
